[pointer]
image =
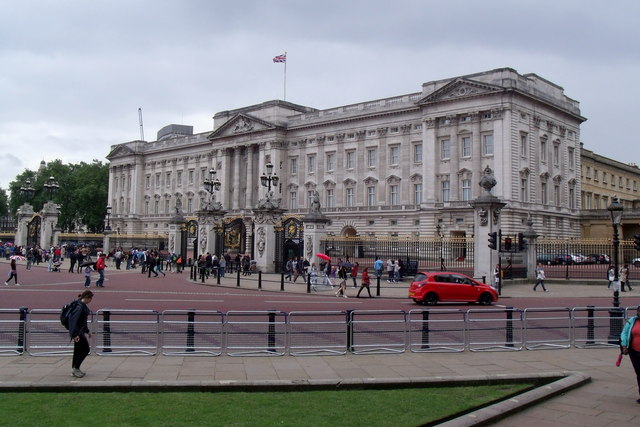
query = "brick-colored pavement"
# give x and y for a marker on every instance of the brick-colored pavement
(609, 398)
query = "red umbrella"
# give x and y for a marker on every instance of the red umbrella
(324, 257)
(17, 257)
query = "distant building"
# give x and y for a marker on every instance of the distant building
(602, 179)
(396, 166)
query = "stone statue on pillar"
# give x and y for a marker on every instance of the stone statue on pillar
(315, 224)
(487, 213)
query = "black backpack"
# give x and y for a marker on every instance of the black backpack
(66, 312)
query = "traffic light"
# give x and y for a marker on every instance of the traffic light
(636, 240)
(522, 242)
(507, 244)
(493, 240)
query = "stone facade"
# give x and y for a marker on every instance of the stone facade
(393, 166)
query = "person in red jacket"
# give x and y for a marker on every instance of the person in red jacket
(100, 264)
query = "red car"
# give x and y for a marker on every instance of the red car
(441, 286)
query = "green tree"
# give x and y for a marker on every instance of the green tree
(4, 202)
(82, 193)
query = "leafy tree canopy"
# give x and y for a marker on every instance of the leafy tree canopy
(82, 193)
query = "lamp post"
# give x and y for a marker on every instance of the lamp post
(51, 186)
(107, 227)
(27, 190)
(212, 184)
(615, 209)
(440, 230)
(616, 313)
(268, 179)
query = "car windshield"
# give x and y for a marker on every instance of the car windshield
(420, 277)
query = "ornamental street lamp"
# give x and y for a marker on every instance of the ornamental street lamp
(51, 186)
(268, 179)
(440, 230)
(107, 227)
(615, 209)
(211, 185)
(27, 190)
(616, 314)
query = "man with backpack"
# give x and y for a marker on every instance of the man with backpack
(75, 316)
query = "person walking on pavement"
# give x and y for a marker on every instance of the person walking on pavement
(79, 331)
(73, 258)
(377, 267)
(624, 277)
(611, 275)
(342, 275)
(13, 274)
(365, 282)
(630, 344)
(539, 278)
(354, 273)
(87, 276)
(100, 265)
(151, 265)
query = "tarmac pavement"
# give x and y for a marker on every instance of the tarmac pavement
(588, 389)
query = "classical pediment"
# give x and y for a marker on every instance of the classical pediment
(241, 123)
(120, 151)
(458, 89)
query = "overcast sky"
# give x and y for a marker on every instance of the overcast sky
(73, 73)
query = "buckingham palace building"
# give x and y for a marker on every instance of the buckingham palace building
(407, 165)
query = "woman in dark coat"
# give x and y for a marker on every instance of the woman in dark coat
(79, 332)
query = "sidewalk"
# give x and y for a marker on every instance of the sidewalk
(594, 392)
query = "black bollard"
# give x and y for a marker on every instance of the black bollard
(349, 330)
(21, 329)
(191, 317)
(378, 286)
(590, 325)
(308, 283)
(509, 336)
(106, 331)
(271, 337)
(238, 278)
(260, 280)
(425, 329)
(282, 281)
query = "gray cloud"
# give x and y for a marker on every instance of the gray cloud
(74, 73)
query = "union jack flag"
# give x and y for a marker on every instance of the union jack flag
(280, 58)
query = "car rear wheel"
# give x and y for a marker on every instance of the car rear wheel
(485, 299)
(430, 299)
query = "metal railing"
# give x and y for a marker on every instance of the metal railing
(276, 333)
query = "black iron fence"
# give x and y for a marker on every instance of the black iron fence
(431, 254)
(585, 258)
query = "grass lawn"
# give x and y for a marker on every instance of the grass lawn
(362, 407)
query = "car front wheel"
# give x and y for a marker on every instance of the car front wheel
(485, 299)
(430, 299)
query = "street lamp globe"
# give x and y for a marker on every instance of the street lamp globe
(615, 209)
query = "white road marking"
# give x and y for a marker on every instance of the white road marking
(314, 302)
(173, 300)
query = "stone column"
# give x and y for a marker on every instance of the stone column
(175, 231)
(265, 238)
(487, 220)
(49, 220)
(530, 260)
(315, 227)
(25, 213)
(208, 221)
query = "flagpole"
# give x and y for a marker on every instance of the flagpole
(285, 77)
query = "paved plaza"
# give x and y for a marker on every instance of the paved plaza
(593, 390)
